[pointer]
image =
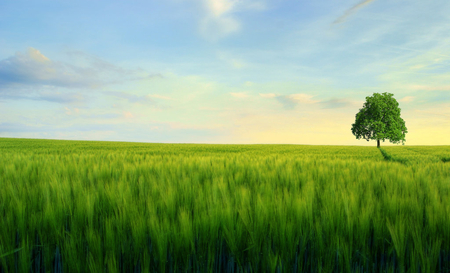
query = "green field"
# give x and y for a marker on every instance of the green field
(74, 206)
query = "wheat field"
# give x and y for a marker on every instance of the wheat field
(84, 206)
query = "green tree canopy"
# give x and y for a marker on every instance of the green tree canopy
(379, 119)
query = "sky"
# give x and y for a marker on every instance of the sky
(221, 71)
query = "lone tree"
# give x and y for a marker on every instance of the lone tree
(379, 119)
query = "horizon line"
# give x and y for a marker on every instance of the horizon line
(193, 143)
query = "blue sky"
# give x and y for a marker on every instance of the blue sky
(221, 71)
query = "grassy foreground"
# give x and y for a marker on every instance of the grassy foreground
(73, 206)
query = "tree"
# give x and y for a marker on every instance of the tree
(379, 119)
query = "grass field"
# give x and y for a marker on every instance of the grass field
(74, 206)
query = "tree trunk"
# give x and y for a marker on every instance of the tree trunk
(378, 143)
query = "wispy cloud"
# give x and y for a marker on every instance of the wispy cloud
(210, 109)
(352, 10)
(127, 114)
(32, 68)
(60, 97)
(22, 127)
(48, 94)
(219, 20)
(337, 103)
(131, 97)
(71, 112)
(430, 87)
(218, 23)
(104, 116)
(10, 127)
(34, 76)
(219, 7)
(407, 99)
(290, 101)
(148, 100)
(302, 98)
(438, 112)
(239, 95)
(159, 97)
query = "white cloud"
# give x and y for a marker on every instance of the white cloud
(159, 97)
(215, 28)
(430, 87)
(302, 98)
(239, 95)
(127, 114)
(291, 101)
(37, 55)
(71, 112)
(339, 103)
(219, 7)
(219, 21)
(407, 99)
(179, 125)
(209, 109)
(418, 66)
(34, 69)
(45, 93)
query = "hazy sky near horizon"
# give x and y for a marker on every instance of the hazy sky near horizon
(221, 71)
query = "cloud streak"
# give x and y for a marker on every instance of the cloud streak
(407, 99)
(240, 95)
(289, 102)
(131, 97)
(140, 99)
(430, 87)
(32, 68)
(218, 23)
(159, 97)
(50, 96)
(336, 103)
(351, 11)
